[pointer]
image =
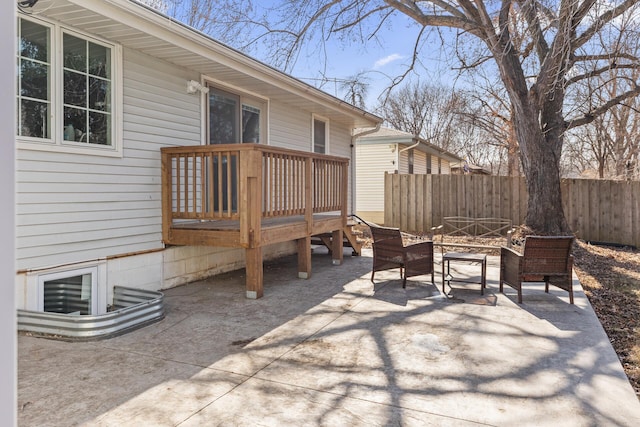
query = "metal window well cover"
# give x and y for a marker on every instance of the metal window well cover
(134, 308)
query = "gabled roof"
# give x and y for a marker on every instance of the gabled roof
(387, 135)
(144, 29)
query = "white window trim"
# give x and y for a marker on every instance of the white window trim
(327, 133)
(57, 143)
(93, 271)
(34, 296)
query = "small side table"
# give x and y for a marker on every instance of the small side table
(464, 257)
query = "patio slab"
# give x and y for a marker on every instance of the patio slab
(337, 350)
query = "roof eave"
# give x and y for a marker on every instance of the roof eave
(171, 30)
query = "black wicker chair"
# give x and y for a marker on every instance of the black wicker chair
(543, 258)
(389, 252)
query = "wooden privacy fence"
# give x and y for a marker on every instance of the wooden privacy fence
(597, 210)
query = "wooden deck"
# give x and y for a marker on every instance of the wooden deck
(249, 196)
(226, 233)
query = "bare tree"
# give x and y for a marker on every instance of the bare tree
(610, 143)
(355, 89)
(225, 19)
(424, 110)
(612, 138)
(493, 114)
(440, 115)
(536, 46)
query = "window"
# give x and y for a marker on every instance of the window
(233, 119)
(86, 91)
(69, 292)
(320, 135)
(250, 124)
(34, 80)
(429, 164)
(65, 87)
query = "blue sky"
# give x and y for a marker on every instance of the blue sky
(381, 60)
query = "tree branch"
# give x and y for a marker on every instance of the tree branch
(601, 21)
(600, 71)
(529, 7)
(606, 57)
(456, 20)
(593, 114)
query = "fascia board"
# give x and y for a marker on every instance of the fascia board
(157, 25)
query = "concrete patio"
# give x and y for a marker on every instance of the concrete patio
(336, 350)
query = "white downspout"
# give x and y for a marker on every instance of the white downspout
(409, 147)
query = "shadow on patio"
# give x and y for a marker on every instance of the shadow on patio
(335, 350)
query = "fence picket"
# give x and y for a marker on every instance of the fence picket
(597, 210)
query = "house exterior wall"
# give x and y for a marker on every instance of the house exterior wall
(372, 161)
(403, 160)
(419, 162)
(77, 209)
(291, 128)
(340, 145)
(446, 167)
(74, 207)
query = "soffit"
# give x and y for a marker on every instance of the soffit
(136, 27)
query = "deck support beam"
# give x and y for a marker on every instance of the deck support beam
(254, 284)
(336, 247)
(304, 257)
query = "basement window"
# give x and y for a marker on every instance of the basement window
(69, 292)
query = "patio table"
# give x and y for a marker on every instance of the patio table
(470, 258)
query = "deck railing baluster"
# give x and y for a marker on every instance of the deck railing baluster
(204, 182)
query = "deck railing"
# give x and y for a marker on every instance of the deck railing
(249, 182)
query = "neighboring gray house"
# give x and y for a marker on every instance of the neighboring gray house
(392, 151)
(103, 86)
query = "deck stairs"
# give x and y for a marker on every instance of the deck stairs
(351, 238)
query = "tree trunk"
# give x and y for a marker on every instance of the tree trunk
(513, 165)
(540, 138)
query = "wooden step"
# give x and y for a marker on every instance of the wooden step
(349, 240)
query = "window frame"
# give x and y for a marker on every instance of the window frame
(92, 270)
(51, 59)
(244, 98)
(57, 143)
(314, 118)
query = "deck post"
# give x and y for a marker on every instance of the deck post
(308, 193)
(167, 218)
(255, 279)
(304, 257)
(336, 247)
(345, 194)
(250, 220)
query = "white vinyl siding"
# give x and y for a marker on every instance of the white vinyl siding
(372, 160)
(446, 167)
(419, 162)
(403, 160)
(77, 207)
(340, 138)
(289, 127)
